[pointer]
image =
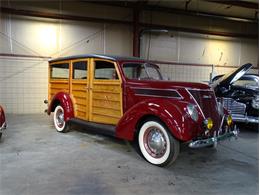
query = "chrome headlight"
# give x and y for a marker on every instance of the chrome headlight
(255, 102)
(193, 112)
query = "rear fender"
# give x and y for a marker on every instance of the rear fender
(167, 111)
(2, 116)
(65, 101)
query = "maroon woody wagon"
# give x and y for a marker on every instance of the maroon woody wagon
(128, 98)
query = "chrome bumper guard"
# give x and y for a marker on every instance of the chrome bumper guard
(4, 126)
(244, 118)
(214, 140)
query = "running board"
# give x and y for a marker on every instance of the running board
(96, 127)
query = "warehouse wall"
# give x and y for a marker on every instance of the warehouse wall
(217, 54)
(23, 81)
(222, 52)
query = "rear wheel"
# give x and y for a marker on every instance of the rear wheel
(59, 122)
(156, 144)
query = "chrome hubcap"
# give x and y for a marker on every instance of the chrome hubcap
(60, 118)
(155, 142)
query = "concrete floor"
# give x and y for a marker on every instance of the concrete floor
(36, 160)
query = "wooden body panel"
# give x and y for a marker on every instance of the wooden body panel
(56, 86)
(105, 97)
(93, 100)
(106, 102)
(79, 94)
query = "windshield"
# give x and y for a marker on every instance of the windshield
(142, 71)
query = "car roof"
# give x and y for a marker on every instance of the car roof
(101, 56)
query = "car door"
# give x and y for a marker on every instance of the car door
(105, 92)
(79, 89)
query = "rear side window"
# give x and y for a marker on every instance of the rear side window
(60, 71)
(80, 70)
(105, 70)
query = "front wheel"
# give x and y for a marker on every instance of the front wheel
(59, 122)
(156, 144)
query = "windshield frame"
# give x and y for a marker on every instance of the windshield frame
(145, 64)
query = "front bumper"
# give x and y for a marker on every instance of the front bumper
(4, 126)
(244, 119)
(212, 141)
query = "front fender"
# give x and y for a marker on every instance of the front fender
(65, 101)
(170, 112)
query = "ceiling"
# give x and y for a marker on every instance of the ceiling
(235, 9)
(241, 9)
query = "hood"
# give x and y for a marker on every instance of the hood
(233, 76)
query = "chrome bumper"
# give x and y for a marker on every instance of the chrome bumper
(4, 126)
(244, 118)
(214, 140)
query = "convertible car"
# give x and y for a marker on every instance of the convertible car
(239, 93)
(3, 123)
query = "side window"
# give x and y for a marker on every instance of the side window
(80, 70)
(59, 71)
(105, 70)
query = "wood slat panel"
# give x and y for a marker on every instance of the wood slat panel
(106, 96)
(106, 112)
(79, 87)
(59, 85)
(81, 115)
(103, 91)
(108, 88)
(55, 91)
(107, 104)
(105, 120)
(81, 109)
(80, 101)
(79, 94)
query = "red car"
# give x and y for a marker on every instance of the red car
(3, 123)
(128, 98)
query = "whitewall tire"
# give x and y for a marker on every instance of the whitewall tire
(58, 119)
(156, 144)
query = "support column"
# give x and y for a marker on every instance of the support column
(136, 29)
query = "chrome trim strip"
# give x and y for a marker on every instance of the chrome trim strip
(144, 88)
(158, 96)
(196, 103)
(152, 88)
(194, 89)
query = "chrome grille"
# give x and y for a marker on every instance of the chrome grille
(233, 106)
